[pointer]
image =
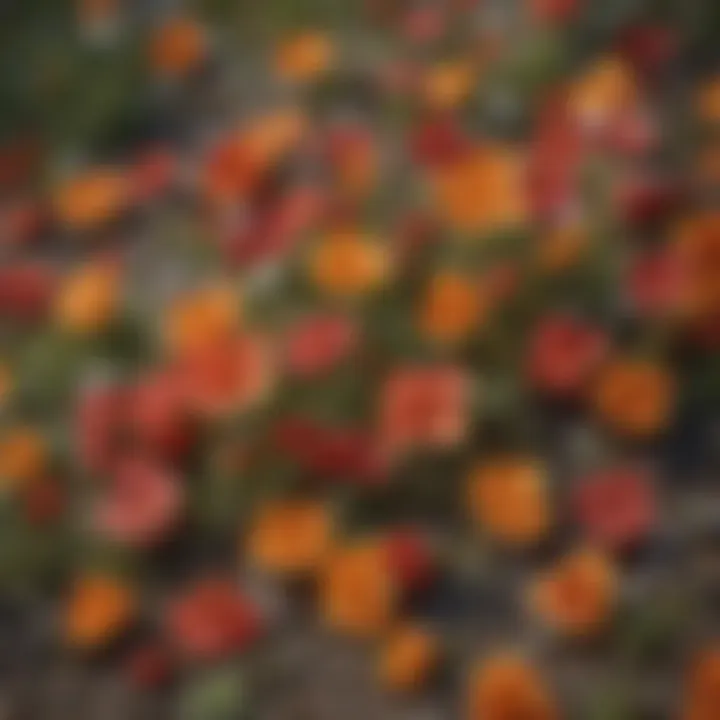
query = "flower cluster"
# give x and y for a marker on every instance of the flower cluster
(428, 311)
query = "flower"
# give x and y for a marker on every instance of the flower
(411, 559)
(142, 505)
(655, 284)
(555, 11)
(506, 686)
(43, 501)
(88, 298)
(178, 47)
(99, 608)
(453, 307)
(407, 659)
(341, 453)
(290, 536)
(634, 397)
(697, 248)
(448, 84)
(348, 264)
(563, 248)
(202, 318)
(616, 506)
(304, 57)
(92, 198)
(707, 102)
(354, 157)
(577, 595)
(603, 92)
(702, 686)
(27, 291)
(357, 592)
(424, 407)
(481, 191)
(23, 456)
(508, 498)
(212, 619)
(228, 377)
(563, 355)
(157, 415)
(318, 343)
(99, 415)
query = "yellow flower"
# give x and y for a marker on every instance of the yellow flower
(92, 198)
(448, 84)
(606, 89)
(408, 658)
(23, 455)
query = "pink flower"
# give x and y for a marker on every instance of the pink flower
(142, 505)
(318, 343)
(617, 506)
(212, 620)
(563, 353)
(424, 406)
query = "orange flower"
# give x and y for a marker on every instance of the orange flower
(578, 594)
(448, 84)
(603, 92)
(424, 407)
(702, 687)
(88, 300)
(482, 191)
(239, 161)
(707, 102)
(92, 198)
(562, 249)
(178, 47)
(304, 57)
(23, 456)
(357, 592)
(697, 244)
(201, 318)
(290, 536)
(408, 659)
(452, 308)
(228, 377)
(348, 264)
(506, 686)
(99, 609)
(635, 397)
(508, 497)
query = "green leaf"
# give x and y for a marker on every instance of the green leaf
(219, 695)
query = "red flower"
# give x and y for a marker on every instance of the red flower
(142, 505)
(212, 620)
(331, 451)
(274, 230)
(152, 174)
(555, 11)
(424, 407)
(655, 283)
(27, 290)
(228, 377)
(562, 355)
(318, 343)
(149, 666)
(423, 24)
(555, 158)
(617, 507)
(648, 47)
(438, 142)
(157, 415)
(43, 501)
(98, 420)
(411, 559)
(646, 200)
